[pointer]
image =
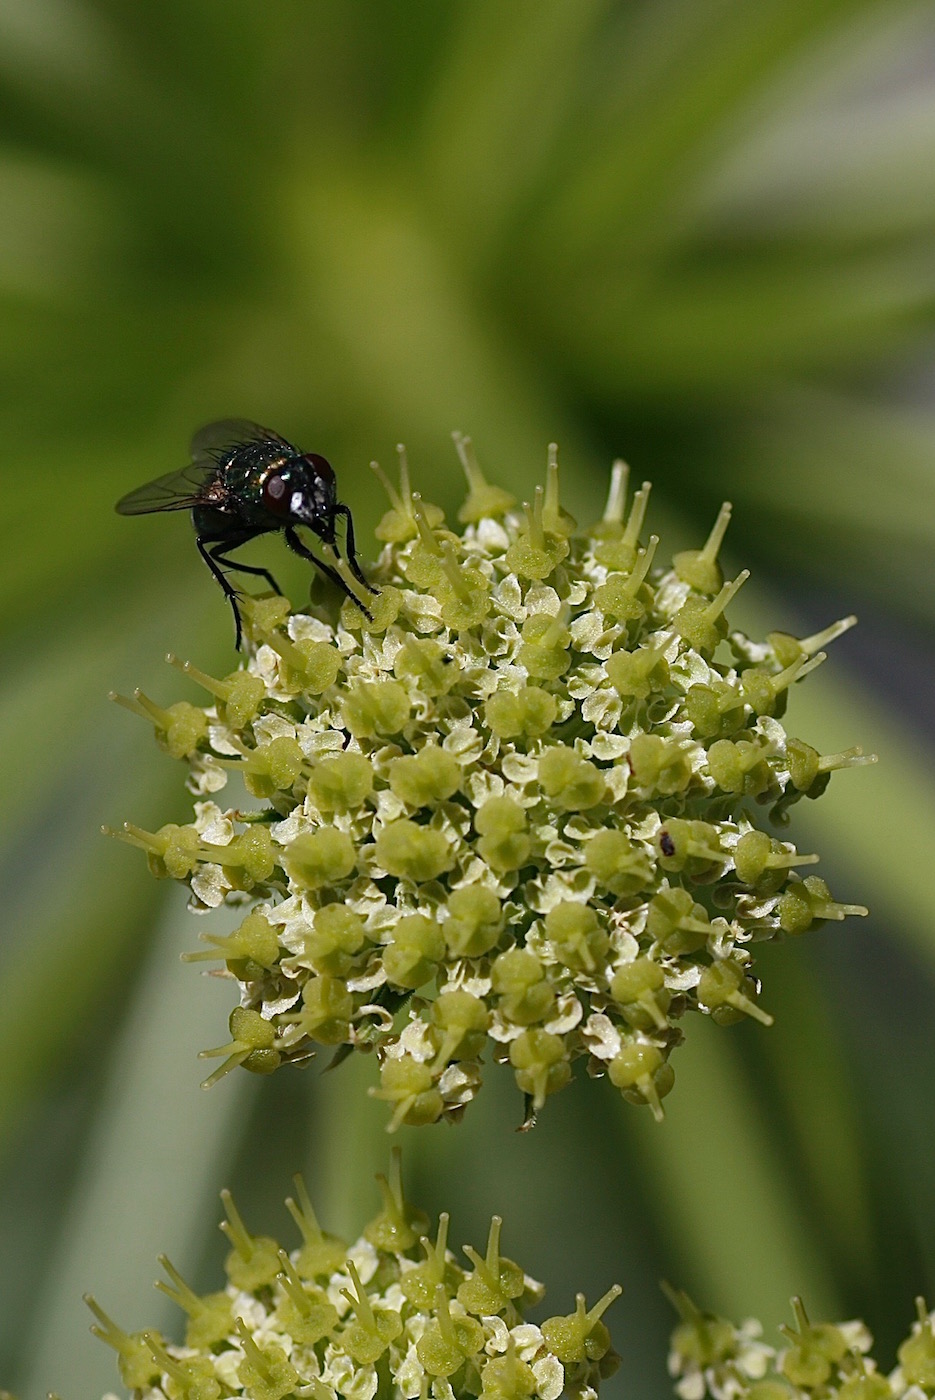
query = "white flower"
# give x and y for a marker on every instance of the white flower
(601, 1036)
(550, 1377)
(210, 886)
(527, 1339)
(857, 1335)
(690, 1386)
(410, 1374)
(213, 825)
(227, 1364)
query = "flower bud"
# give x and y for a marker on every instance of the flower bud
(412, 852)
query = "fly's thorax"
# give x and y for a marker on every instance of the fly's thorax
(220, 522)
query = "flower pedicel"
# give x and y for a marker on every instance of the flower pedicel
(530, 807)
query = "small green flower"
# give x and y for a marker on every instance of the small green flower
(917, 1353)
(524, 809)
(393, 1312)
(709, 1356)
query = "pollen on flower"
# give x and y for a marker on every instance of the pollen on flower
(531, 810)
(393, 1312)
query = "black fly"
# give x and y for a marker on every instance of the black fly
(244, 481)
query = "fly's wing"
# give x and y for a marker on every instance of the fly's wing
(176, 491)
(216, 441)
(212, 447)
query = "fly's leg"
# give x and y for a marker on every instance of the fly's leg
(217, 554)
(230, 592)
(297, 547)
(351, 550)
(221, 556)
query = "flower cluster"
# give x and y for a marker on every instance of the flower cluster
(530, 804)
(709, 1356)
(394, 1313)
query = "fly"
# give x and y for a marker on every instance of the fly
(244, 481)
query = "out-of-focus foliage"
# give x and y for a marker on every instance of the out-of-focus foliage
(697, 232)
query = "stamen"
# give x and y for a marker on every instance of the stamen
(394, 497)
(634, 525)
(426, 533)
(404, 486)
(849, 758)
(819, 640)
(726, 596)
(712, 545)
(208, 683)
(468, 459)
(617, 494)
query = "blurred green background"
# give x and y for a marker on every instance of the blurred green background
(697, 233)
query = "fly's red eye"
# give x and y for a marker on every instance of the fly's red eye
(276, 494)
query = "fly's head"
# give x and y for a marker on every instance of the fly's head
(301, 491)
